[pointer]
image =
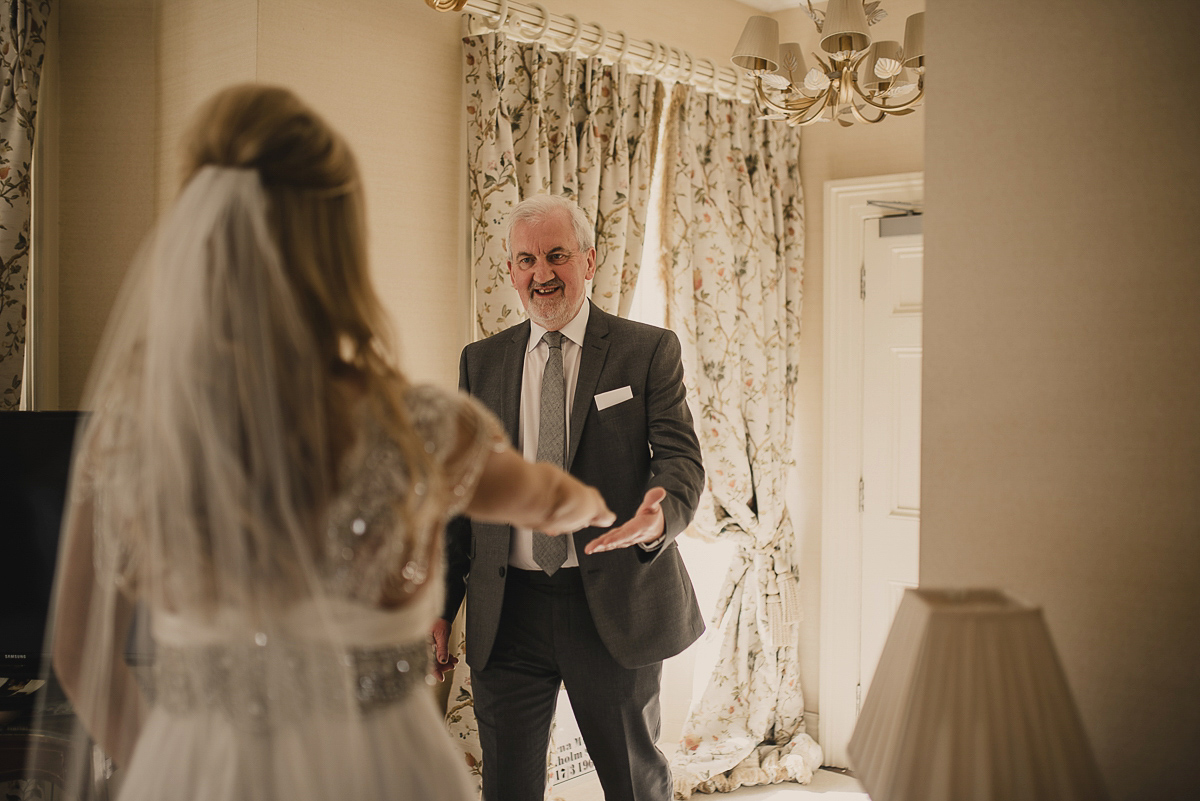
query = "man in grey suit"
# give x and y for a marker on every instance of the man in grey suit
(595, 611)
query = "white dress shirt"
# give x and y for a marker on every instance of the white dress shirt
(520, 553)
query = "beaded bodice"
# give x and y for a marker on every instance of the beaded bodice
(380, 528)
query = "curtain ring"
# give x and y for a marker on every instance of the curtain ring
(497, 22)
(737, 86)
(536, 32)
(666, 51)
(674, 52)
(649, 68)
(712, 85)
(570, 45)
(595, 51)
(691, 73)
(624, 47)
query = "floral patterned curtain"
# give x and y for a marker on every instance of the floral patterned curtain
(733, 230)
(544, 122)
(22, 45)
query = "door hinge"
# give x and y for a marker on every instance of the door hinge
(862, 495)
(857, 700)
(862, 282)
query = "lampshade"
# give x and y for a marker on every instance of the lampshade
(914, 41)
(791, 62)
(758, 49)
(969, 701)
(845, 27)
(884, 62)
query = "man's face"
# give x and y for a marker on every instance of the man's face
(548, 271)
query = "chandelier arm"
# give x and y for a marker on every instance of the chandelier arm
(900, 106)
(811, 114)
(777, 107)
(858, 115)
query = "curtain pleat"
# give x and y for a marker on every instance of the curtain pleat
(733, 236)
(22, 46)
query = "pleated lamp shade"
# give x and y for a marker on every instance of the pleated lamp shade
(758, 49)
(914, 41)
(886, 52)
(970, 703)
(845, 27)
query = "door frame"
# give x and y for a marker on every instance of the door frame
(846, 213)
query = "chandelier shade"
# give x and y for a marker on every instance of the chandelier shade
(758, 49)
(914, 41)
(845, 27)
(883, 68)
(791, 62)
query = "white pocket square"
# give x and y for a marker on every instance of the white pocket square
(613, 397)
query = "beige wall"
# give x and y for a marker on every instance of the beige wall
(1062, 351)
(105, 195)
(203, 45)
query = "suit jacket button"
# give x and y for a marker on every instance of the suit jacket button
(501, 572)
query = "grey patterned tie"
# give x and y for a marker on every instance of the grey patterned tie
(551, 552)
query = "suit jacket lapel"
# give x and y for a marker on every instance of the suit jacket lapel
(514, 370)
(591, 362)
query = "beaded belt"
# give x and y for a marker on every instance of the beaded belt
(259, 686)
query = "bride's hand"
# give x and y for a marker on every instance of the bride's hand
(576, 506)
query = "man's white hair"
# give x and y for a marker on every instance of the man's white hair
(537, 208)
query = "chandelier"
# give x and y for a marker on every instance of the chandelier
(858, 80)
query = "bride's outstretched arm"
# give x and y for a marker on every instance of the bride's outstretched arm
(88, 645)
(535, 495)
(531, 495)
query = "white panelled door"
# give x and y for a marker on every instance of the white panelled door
(891, 459)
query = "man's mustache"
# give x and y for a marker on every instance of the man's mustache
(553, 284)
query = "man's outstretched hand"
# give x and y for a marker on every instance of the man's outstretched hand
(443, 661)
(644, 527)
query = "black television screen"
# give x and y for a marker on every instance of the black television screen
(35, 457)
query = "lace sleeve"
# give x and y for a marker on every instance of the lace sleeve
(459, 434)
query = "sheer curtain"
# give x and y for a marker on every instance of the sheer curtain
(23, 40)
(547, 122)
(733, 236)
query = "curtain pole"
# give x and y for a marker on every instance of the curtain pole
(533, 22)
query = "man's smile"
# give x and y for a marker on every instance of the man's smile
(547, 289)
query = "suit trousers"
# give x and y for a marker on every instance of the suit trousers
(547, 638)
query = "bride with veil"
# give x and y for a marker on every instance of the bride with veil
(252, 554)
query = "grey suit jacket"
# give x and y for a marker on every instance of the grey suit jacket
(642, 601)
